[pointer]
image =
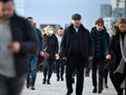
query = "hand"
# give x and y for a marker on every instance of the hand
(108, 57)
(91, 58)
(14, 47)
(42, 53)
(57, 56)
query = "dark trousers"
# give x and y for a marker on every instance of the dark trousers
(106, 71)
(71, 67)
(48, 69)
(106, 77)
(11, 86)
(60, 68)
(98, 66)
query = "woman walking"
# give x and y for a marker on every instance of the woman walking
(118, 57)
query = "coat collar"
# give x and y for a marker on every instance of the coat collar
(81, 28)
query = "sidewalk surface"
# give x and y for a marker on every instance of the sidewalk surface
(59, 88)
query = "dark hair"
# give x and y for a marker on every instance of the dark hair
(100, 20)
(61, 28)
(76, 16)
(29, 18)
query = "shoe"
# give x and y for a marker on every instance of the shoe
(58, 79)
(69, 92)
(44, 82)
(94, 90)
(28, 86)
(100, 91)
(62, 79)
(33, 88)
(106, 86)
(48, 82)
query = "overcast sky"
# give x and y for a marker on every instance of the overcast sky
(60, 11)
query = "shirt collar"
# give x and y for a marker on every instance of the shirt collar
(76, 29)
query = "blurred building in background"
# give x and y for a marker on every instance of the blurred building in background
(111, 12)
(106, 14)
(19, 5)
(106, 10)
(118, 4)
(108, 24)
(119, 8)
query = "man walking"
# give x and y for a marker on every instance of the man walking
(75, 47)
(16, 42)
(59, 58)
(33, 58)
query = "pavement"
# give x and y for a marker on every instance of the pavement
(59, 88)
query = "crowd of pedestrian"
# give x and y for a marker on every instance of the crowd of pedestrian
(67, 52)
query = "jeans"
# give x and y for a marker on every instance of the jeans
(11, 86)
(32, 71)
